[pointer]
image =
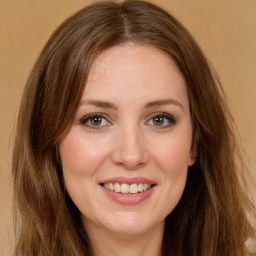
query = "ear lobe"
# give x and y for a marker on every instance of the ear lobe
(194, 148)
(193, 156)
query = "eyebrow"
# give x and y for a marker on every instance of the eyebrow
(164, 102)
(98, 103)
(104, 104)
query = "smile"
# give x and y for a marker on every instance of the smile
(128, 191)
(126, 188)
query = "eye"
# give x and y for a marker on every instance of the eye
(94, 121)
(161, 120)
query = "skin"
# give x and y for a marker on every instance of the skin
(128, 142)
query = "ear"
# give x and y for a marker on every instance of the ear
(194, 148)
(193, 155)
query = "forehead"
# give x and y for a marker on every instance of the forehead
(134, 70)
(130, 54)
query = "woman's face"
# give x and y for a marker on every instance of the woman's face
(125, 158)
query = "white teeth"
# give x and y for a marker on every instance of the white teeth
(126, 188)
(134, 189)
(117, 187)
(111, 186)
(106, 185)
(140, 187)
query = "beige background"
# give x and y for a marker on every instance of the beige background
(226, 31)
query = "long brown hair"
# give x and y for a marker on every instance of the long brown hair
(211, 217)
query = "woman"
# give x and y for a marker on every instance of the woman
(125, 144)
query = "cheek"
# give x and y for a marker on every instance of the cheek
(174, 154)
(173, 160)
(81, 156)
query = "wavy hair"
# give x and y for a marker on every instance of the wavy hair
(212, 216)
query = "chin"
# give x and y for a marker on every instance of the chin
(131, 224)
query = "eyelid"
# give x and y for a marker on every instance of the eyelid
(154, 114)
(170, 118)
(87, 117)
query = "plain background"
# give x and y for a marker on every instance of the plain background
(225, 30)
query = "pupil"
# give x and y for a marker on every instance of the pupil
(96, 121)
(158, 120)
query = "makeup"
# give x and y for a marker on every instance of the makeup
(128, 191)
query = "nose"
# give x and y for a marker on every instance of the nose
(130, 150)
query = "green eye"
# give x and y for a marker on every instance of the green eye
(162, 120)
(158, 121)
(94, 121)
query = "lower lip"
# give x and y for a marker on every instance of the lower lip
(129, 199)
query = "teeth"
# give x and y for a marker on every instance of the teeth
(117, 187)
(140, 187)
(134, 189)
(111, 186)
(126, 188)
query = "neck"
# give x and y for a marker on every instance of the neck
(107, 243)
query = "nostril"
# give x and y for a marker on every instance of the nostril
(130, 151)
(130, 165)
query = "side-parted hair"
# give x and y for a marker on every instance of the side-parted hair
(211, 218)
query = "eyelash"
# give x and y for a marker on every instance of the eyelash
(164, 116)
(90, 117)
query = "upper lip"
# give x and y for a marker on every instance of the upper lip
(129, 181)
